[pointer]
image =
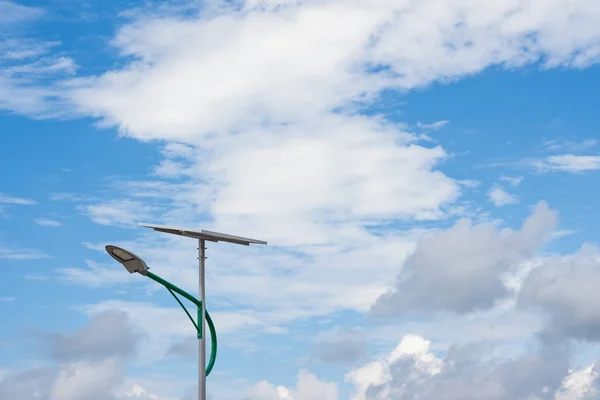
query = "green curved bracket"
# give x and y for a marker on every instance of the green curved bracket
(213, 344)
(211, 326)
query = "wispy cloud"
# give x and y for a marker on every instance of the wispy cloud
(514, 181)
(433, 126)
(95, 275)
(122, 213)
(7, 199)
(170, 169)
(14, 13)
(569, 145)
(567, 163)
(47, 222)
(18, 253)
(29, 66)
(69, 197)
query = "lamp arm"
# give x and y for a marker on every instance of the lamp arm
(174, 288)
(186, 311)
(213, 333)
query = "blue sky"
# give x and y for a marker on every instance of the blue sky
(426, 175)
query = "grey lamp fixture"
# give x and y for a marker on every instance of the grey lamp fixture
(130, 261)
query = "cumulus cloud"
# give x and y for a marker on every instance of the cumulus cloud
(185, 348)
(89, 364)
(500, 197)
(272, 63)
(109, 334)
(329, 176)
(262, 103)
(580, 384)
(340, 346)
(26, 385)
(412, 371)
(565, 289)
(259, 103)
(308, 387)
(461, 269)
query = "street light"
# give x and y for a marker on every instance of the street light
(135, 264)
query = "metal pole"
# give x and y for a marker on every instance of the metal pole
(201, 324)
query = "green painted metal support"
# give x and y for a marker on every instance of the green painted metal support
(186, 311)
(174, 288)
(213, 344)
(211, 326)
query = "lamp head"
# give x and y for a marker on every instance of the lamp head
(130, 261)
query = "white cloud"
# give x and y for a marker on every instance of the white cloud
(411, 347)
(580, 384)
(90, 363)
(413, 371)
(11, 252)
(308, 387)
(68, 197)
(175, 327)
(244, 101)
(434, 125)
(178, 150)
(118, 212)
(251, 94)
(274, 285)
(271, 64)
(569, 146)
(170, 168)
(500, 197)
(14, 13)
(503, 328)
(341, 346)
(564, 288)
(246, 98)
(328, 181)
(7, 199)
(513, 180)
(176, 162)
(95, 275)
(47, 222)
(462, 269)
(28, 66)
(568, 163)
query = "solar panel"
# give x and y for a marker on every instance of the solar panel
(203, 234)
